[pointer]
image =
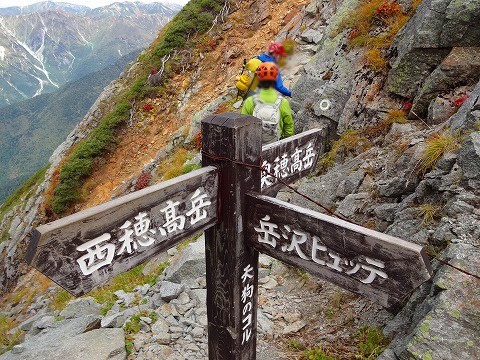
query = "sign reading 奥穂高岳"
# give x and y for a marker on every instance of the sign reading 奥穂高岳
(96, 244)
(289, 159)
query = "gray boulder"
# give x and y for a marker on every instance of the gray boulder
(190, 265)
(469, 159)
(81, 307)
(436, 27)
(71, 339)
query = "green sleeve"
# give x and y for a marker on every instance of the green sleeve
(248, 105)
(286, 122)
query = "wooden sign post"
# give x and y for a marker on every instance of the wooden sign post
(232, 266)
(223, 199)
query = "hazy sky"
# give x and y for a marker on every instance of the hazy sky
(89, 3)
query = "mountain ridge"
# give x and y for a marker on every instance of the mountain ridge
(45, 45)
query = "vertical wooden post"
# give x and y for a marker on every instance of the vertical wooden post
(232, 267)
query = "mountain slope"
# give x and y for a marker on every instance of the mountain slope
(32, 129)
(45, 45)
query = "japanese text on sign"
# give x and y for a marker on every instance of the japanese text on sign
(366, 268)
(142, 232)
(287, 165)
(247, 302)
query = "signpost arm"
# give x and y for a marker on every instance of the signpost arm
(232, 267)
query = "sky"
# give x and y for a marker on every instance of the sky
(89, 3)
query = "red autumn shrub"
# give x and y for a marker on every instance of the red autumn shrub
(147, 107)
(459, 102)
(143, 180)
(387, 9)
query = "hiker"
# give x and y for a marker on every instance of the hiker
(275, 51)
(247, 81)
(269, 106)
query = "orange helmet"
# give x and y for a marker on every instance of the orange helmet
(267, 71)
(277, 48)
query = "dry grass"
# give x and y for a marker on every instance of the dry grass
(173, 165)
(375, 59)
(429, 212)
(8, 340)
(374, 25)
(396, 116)
(351, 142)
(438, 144)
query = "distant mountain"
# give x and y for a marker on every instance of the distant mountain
(32, 129)
(45, 45)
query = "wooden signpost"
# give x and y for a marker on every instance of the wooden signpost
(226, 199)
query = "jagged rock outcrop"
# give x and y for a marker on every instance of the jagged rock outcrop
(460, 67)
(437, 27)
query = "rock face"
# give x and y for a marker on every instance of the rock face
(460, 67)
(436, 28)
(69, 339)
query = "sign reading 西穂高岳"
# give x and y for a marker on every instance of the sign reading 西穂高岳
(378, 266)
(86, 249)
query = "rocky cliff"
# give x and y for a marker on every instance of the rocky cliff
(388, 165)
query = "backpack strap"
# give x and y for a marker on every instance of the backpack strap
(278, 101)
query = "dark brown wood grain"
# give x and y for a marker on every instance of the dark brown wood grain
(56, 248)
(231, 318)
(310, 240)
(290, 159)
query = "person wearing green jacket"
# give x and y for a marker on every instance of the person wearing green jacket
(269, 106)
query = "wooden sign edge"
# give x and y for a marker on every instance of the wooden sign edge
(345, 224)
(79, 216)
(292, 138)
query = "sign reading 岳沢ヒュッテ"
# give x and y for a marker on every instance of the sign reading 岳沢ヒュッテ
(96, 244)
(379, 266)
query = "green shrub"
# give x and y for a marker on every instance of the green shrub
(80, 164)
(317, 354)
(370, 343)
(195, 18)
(60, 300)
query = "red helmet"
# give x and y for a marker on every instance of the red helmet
(267, 71)
(277, 48)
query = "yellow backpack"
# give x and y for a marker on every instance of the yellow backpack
(247, 80)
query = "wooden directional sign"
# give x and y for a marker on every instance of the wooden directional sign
(289, 159)
(86, 249)
(379, 266)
